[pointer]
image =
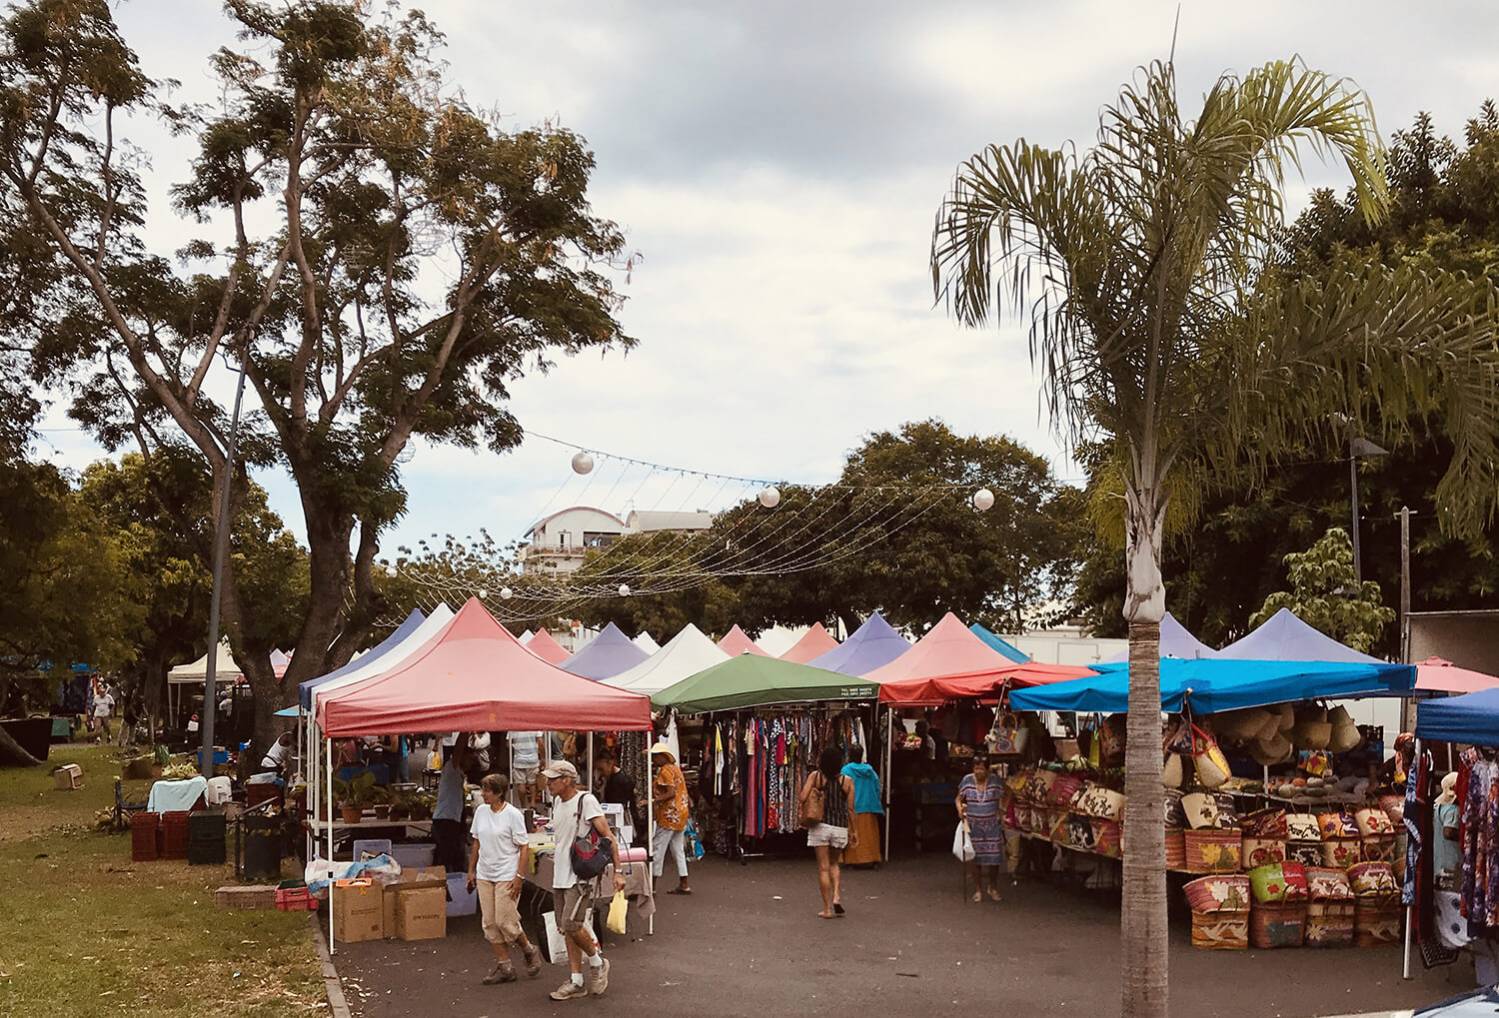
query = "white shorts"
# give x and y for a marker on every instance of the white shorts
(827, 834)
(524, 776)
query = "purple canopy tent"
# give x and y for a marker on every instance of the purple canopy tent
(1175, 642)
(605, 656)
(1284, 637)
(873, 645)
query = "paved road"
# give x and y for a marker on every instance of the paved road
(749, 943)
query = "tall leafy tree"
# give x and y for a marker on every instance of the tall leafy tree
(1325, 594)
(416, 258)
(1163, 328)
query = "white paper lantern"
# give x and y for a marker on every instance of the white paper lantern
(506, 593)
(582, 463)
(983, 500)
(483, 594)
(390, 570)
(624, 590)
(770, 497)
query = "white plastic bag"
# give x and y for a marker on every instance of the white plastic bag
(556, 942)
(962, 844)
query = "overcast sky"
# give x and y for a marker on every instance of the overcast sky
(778, 166)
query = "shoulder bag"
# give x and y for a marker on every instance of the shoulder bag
(813, 805)
(591, 852)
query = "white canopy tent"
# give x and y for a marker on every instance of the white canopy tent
(687, 653)
(646, 642)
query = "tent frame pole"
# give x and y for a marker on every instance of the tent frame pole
(328, 825)
(889, 746)
(650, 827)
(1410, 910)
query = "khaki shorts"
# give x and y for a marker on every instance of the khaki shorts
(500, 911)
(827, 834)
(571, 906)
(524, 776)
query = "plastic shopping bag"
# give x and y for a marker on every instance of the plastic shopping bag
(962, 844)
(694, 842)
(618, 907)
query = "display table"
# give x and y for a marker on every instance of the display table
(637, 875)
(420, 826)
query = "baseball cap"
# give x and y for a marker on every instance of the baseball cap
(560, 769)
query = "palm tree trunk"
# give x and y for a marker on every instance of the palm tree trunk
(1143, 919)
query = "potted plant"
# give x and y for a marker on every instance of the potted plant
(400, 805)
(422, 805)
(354, 795)
(380, 798)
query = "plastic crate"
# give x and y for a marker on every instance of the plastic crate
(461, 901)
(295, 899)
(174, 835)
(414, 856)
(145, 832)
(371, 847)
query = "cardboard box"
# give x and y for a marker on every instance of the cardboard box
(421, 913)
(431, 876)
(357, 911)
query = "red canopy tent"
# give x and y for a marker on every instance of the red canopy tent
(814, 643)
(546, 648)
(736, 641)
(937, 690)
(950, 648)
(474, 676)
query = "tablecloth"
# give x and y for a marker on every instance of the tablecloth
(170, 796)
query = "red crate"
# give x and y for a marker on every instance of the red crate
(174, 835)
(295, 899)
(144, 833)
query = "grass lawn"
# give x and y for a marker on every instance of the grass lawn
(86, 932)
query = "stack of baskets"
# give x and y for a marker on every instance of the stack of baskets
(1220, 912)
(145, 834)
(174, 834)
(1330, 913)
(1213, 842)
(1278, 914)
(1377, 904)
(1340, 839)
(1303, 839)
(1376, 835)
(1176, 822)
(1265, 834)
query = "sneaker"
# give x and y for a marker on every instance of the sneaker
(533, 962)
(599, 978)
(569, 991)
(501, 974)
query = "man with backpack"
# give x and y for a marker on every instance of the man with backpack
(585, 846)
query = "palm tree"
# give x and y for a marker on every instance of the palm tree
(1163, 326)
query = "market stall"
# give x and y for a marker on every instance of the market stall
(765, 722)
(1253, 845)
(473, 676)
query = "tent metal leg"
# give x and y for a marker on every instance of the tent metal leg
(889, 754)
(328, 762)
(650, 828)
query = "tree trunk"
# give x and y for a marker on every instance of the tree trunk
(1143, 919)
(11, 753)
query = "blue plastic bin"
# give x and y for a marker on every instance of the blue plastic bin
(461, 901)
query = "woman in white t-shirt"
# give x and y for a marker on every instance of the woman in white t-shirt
(501, 853)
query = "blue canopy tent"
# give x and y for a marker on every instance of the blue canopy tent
(1284, 637)
(1472, 718)
(405, 629)
(606, 655)
(873, 645)
(1212, 685)
(1000, 644)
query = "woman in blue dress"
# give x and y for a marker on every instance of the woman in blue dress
(978, 804)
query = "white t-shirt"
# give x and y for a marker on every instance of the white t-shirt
(275, 755)
(524, 747)
(565, 828)
(103, 704)
(501, 836)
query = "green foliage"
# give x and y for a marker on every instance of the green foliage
(1326, 596)
(418, 256)
(359, 791)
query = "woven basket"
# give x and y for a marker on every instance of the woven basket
(1228, 892)
(1220, 931)
(1308, 853)
(1176, 849)
(1376, 921)
(1260, 851)
(1330, 923)
(1277, 924)
(1341, 853)
(1378, 848)
(1212, 851)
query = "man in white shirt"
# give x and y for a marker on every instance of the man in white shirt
(501, 853)
(525, 764)
(276, 757)
(574, 810)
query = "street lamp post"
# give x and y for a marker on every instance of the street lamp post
(220, 552)
(1358, 446)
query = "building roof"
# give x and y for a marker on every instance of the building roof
(572, 509)
(651, 520)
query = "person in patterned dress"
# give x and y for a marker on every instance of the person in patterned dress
(978, 802)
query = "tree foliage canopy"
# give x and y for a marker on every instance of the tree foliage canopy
(1325, 594)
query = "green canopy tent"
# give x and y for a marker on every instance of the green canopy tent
(750, 681)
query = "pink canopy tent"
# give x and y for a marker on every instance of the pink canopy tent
(814, 643)
(736, 641)
(1435, 675)
(934, 692)
(475, 676)
(950, 648)
(546, 648)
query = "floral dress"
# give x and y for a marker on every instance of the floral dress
(981, 806)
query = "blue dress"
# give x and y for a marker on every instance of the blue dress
(982, 808)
